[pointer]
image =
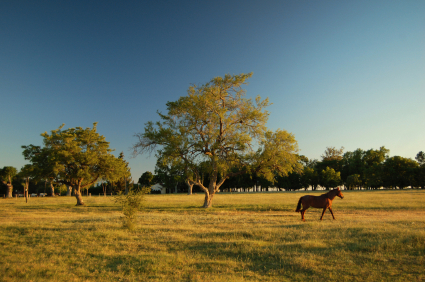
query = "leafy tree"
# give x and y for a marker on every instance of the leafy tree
(169, 173)
(353, 163)
(353, 181)
(332, 158)
(122, 183)
(420, 158)
(214, 123)
(373, 157)
(333, 154)
(290, 182)
(373, 176)
(309, 177)
(399, 172)
(329, 178)
(75, 157)
(7, 174)
(146, 179)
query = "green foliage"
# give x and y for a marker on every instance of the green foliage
(399, 172)
(76, 157)
(7, 177)
(353, 181)
(131, 204)
(146, 178)
(217, 125)
(7, 174)
(420, 158)
(329, 178)
(122, 182)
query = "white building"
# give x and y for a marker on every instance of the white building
(158, 187)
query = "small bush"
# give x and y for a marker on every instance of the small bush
(131, 204)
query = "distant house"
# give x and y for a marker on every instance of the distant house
(158, 188)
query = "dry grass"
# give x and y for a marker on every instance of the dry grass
(245, 237)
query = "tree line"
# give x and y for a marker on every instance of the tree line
(360, 169)
(212, 139)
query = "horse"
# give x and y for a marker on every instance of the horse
(323, 201)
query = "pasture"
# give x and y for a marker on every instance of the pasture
(377, 236)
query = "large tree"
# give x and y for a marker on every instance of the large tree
(75, 157)
(216, 124)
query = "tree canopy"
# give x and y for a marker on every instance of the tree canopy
(76, 157)
(215, 123)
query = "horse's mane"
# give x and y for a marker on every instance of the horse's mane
(327, 194)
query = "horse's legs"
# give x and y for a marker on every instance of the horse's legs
(302, 214)
(324, 209)
(330, 209)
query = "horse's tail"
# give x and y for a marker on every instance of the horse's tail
(299, 205)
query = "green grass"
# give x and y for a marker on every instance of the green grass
(378, 236)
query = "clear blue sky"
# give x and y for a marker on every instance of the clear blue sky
(339, 73)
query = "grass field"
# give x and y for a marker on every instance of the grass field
(377, 236)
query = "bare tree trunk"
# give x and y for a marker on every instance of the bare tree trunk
(52, 189)
(189, 188)
(9, 190)
(208, 200)
(69, 190)
(78, 196)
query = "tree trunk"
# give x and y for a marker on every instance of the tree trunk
(77, 194)
(189, 188)
(9, 190)
(27, 186)
(69, 190)
(52, 189)
(208, 200)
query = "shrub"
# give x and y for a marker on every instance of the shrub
(131, 204)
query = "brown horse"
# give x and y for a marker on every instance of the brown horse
(323, 201)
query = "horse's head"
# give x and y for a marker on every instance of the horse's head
(339, 194)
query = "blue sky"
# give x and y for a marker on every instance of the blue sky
(339, 73)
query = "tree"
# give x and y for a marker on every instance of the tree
(420, 158)
(353, 164)
(353, 181)
(332, 158)
(27, 174)
(123, 183)
(146, 179)
(309, 177)
(333, 154)
(169, 173)
(329, 178)
(399, 172)
(75, 157)
(214, 123)
(7, 174)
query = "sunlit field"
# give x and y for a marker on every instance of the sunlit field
(377, 236)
